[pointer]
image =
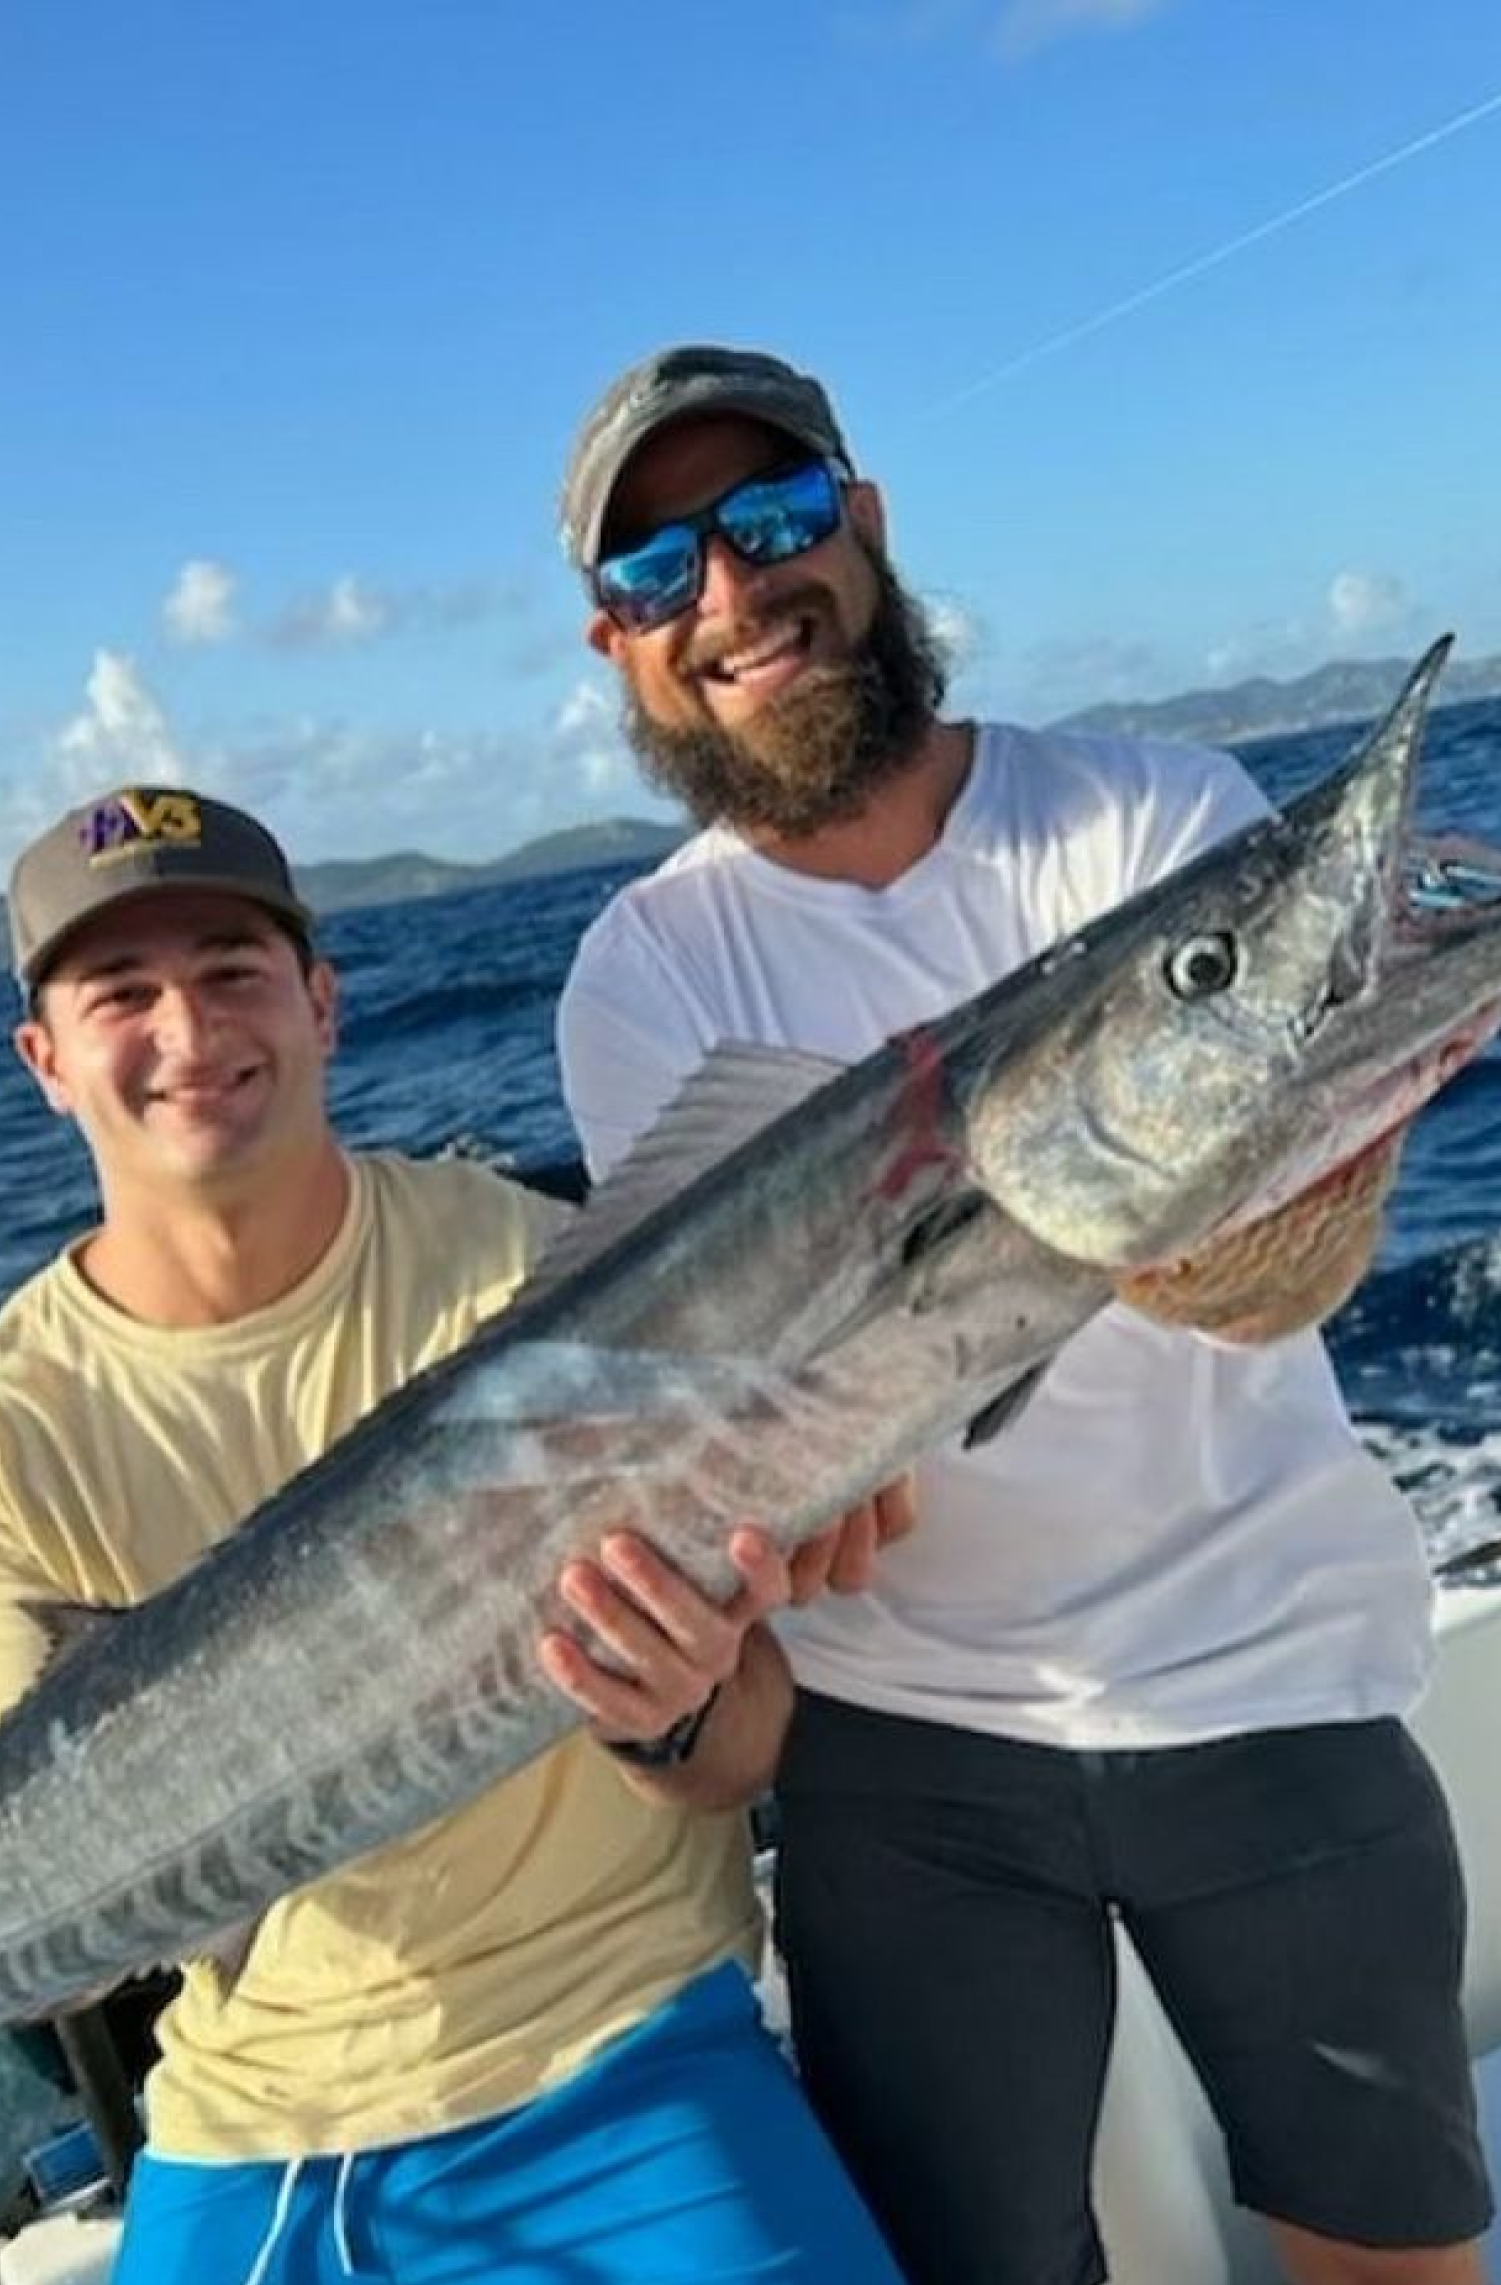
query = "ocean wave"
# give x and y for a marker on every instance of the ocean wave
(1418, 1352)
(433, 1007)
(1440, 1312)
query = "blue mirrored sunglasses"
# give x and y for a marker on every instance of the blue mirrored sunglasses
(768, 519)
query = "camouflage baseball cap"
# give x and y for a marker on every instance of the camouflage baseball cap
(696, 378)
(140, 837)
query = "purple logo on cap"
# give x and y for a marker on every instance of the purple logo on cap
(113, 826)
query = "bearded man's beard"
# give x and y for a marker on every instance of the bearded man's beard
(813, 755)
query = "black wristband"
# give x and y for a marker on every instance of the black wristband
(672, 1748)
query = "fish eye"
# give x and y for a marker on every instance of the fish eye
(1202, 966)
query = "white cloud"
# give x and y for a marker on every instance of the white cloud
(121, 730)
(119, 736)
(346, 611)
(351, 610)
(329, 788)
(587, 742)
(332, 790)
(199, 607)
(1025, 25)
(960, 630)
(1366, 602)
(1356, 607)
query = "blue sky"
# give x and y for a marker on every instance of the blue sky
(1171, 328)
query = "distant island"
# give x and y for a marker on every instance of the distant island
(1238, 714)
(340, 883)
(1347, 690)
(1351, 690)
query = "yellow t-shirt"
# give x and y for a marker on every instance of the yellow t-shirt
(480, 1960)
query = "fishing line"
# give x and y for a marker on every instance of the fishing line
(1186, 271)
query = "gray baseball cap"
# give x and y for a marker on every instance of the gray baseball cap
(139, 837)
(696, 378)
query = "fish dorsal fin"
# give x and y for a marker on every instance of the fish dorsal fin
(735, 1092)
(67, 1627)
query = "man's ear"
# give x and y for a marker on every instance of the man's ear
(602, 635)
(867, 512)
(34, 1044)
(323, 991)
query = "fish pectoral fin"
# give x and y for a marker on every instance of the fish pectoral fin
(1004, 1409)
(69, 1626)
(735, 1092)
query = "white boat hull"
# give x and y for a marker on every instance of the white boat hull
(1162, 2188)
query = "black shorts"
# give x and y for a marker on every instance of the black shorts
(944, 1909)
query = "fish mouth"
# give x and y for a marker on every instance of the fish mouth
(1357, 967)
(1415, 976)
(1411, 894)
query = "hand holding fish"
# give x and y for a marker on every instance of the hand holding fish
(843, 1558)
(674, 1651)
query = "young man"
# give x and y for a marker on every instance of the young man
(1149, 1649)
(520, 2042)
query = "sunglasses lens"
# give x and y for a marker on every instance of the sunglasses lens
(768, 520)
(778, 517)
(650, 584)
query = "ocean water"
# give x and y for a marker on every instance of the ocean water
(447, 1043)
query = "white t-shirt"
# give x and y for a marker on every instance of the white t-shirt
(1177, 1539)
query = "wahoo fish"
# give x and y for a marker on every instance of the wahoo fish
(803, 1278)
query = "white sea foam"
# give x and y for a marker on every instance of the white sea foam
(1454, 1483)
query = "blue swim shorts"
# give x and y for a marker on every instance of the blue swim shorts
(685, 2154)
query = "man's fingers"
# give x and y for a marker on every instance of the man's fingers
(643, 1611)
(673, 1641)
(614, 1701)
(664, 1644)
(843, 1558)
(896, 1509)
(854, 1556)
(766, 1575)
(659, 1646)
(810, 1565)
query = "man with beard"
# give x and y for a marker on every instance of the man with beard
(1147, 1652)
